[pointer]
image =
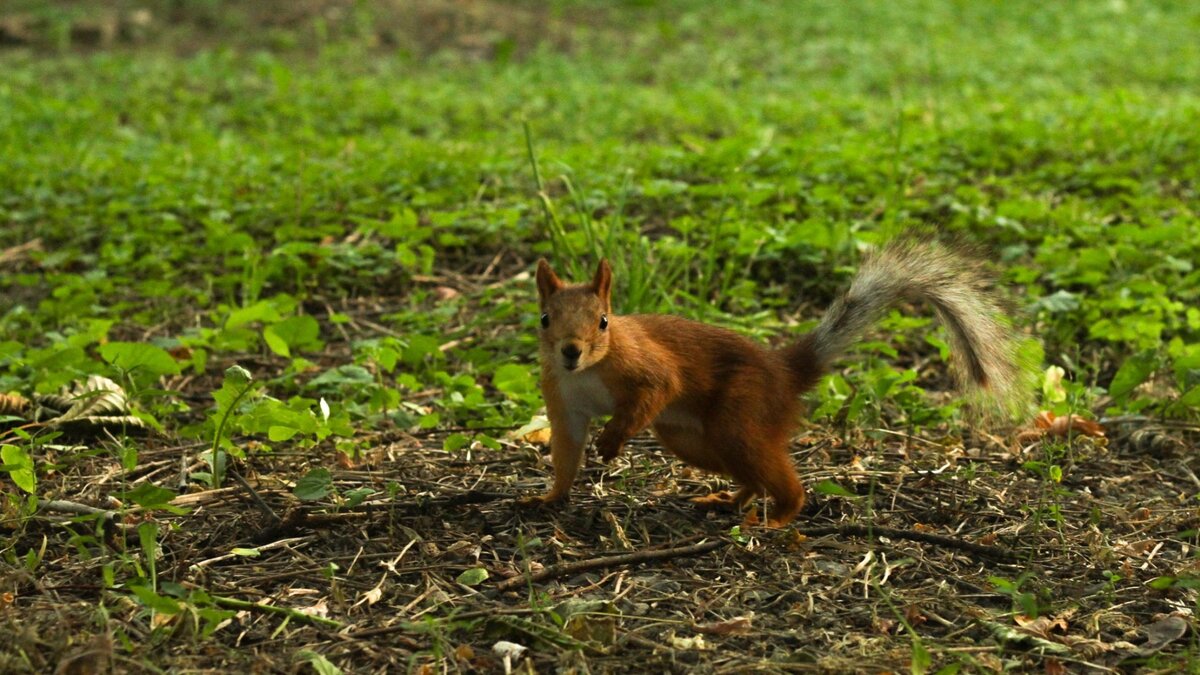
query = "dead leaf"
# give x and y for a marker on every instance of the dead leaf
(464, 653)
(1042, 626)
(592, 628)
(696, 643)
(535, 432)
(1162, 633)
(343, 460)
(1089, 648)
(20, 251)
(13, 404)
(914, 617)
(1054, 667)
(97, 403)
(884, 626)
(1067, 425)
(1156, 442)
(372, 596)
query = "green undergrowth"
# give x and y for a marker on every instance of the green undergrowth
(234, 206)
(732, 162)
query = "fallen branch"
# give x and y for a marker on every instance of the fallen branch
(64, 506)
(855, 530)
(564, 569)
(258, 500)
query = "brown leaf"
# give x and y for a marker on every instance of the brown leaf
(20, 251)
(884, 626)
(1054, 667)
(1042, 626)
(13, 404)
(1067, 425)
(180, 353)
(592, 628)
(464, 653)
(538, 437)
(914, 617)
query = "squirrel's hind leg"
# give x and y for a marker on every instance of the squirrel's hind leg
(766, 468)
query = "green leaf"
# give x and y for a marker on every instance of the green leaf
(1133, 372)
(237, 375)
(1161, 583)
(263, 310)
(276, 343)
(473, 577)
(420, 346)
(316, 484)
(456, 442)
(149, 496)
(357, 495)
(235, 385)
(322, 665)
(154, 601)
(19, 464)
(148, 539)
(830, 488)
(139, 357)
(921, 660)
(279, 433)
(514, 380)
(296, 332)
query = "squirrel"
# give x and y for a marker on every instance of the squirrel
(723, 403)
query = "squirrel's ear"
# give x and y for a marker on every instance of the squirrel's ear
(602, 282)
(547, 281)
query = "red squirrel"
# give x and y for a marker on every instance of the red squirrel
(718, 400)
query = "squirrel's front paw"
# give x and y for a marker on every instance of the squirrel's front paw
(534, 501)
(608, 447)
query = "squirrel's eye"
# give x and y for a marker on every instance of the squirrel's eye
(545, 320)
(603, 321)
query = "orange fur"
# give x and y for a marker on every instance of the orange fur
(714, 398)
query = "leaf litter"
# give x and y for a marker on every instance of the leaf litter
(452, 560)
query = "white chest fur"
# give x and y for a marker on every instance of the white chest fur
(585, 394)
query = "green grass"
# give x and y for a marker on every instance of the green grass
(732, 159)
(730, 156)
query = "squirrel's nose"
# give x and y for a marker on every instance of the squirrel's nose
(571, 352)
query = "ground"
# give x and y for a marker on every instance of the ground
(289, 248)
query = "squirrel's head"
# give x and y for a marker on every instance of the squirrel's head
(573, 331)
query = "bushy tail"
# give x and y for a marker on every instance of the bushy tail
(984, 347)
